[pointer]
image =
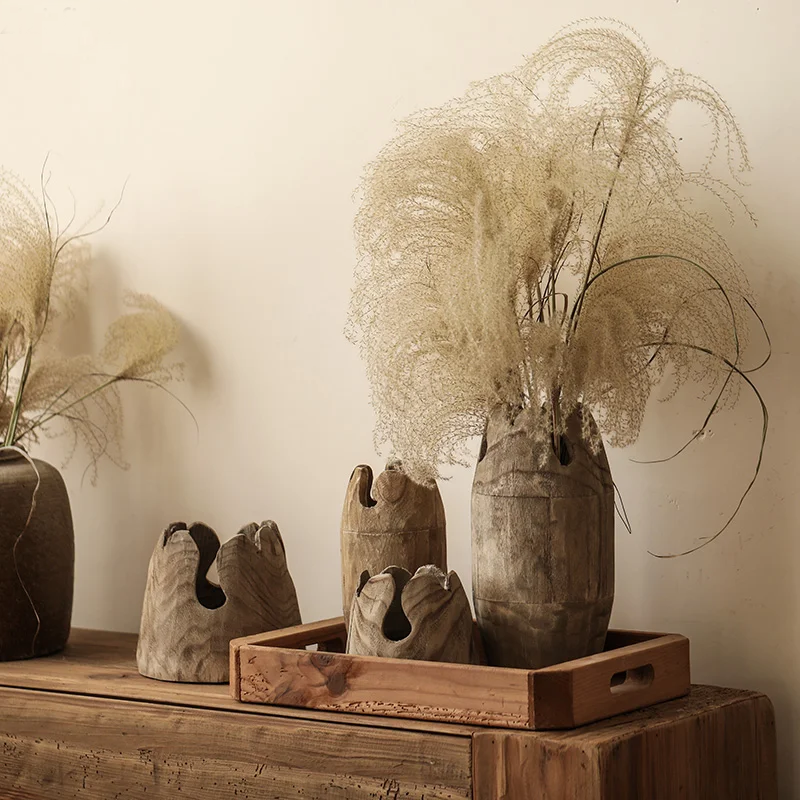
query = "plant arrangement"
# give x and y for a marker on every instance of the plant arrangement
(42, 272)
(539, 243)
(45, 390)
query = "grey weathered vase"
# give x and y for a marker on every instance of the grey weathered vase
(188, 621)
(542, 544)
(423, 616)
(37, 560)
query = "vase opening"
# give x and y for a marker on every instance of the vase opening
(396, 625)
(565, 451)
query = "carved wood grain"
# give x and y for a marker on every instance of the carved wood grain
(69, 747)
(188, 622)
(425, 616)
(542, 544)
(715, 744)
(395, 522)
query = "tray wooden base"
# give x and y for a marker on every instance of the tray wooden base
(637, 670)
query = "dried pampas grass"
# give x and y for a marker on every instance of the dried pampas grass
(534, 243)
(42, 271)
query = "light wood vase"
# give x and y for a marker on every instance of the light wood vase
(425, 616)
(542, 544)
(188, 621)
(396, 522)
(37, 559)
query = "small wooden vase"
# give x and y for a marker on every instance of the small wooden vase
(542, 544)
(425, 617)
(188, 621)
(396, 521)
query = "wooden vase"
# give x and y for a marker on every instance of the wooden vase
(188, 621)
(37, 558)
(542, 543)
(396, 522)
(425, 616)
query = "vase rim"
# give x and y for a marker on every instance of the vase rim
(12, 454)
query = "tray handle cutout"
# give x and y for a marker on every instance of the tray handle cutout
(632, 680)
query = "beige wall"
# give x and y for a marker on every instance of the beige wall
(243, 127)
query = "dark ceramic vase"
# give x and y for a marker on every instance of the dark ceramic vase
(37, 558)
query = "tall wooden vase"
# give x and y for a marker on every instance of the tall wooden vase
(542, 543)
(37, 558)
(395, 523)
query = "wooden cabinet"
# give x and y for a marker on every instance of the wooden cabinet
(84, 724)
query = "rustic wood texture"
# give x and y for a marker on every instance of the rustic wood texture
(99, 749)
(542, 545)
(424, 617)
(274, 669)
(66, 732)
(396, 522)
(592, 688)
(270, 670)
(716, 744)
(188, 622)
(41, 582)
(103, 664)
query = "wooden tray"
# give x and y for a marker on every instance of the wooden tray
(636, 670)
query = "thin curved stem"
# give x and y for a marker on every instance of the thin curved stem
(757, 470)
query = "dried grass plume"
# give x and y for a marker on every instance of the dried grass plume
(539, 242)
(42, 270)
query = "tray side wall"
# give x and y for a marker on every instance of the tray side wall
(413, 689)
(563, 696)
(580, 692)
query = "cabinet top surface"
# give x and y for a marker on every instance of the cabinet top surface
(103, 664)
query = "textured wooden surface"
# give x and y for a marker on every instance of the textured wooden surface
(74, 737)
(592, 688)
(716, 744)
(99, 749)
(396, 522)
(425, 616)
(103, 664)
(642, 669)
(542, 545)
(270, 673)
(188, 622)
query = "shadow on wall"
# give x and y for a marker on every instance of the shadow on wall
(118, 521)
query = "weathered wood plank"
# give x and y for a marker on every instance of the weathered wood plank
(531, 766)
(715, 743)
(326, 630)
(723, 753)
(64, 746)
(103, 664)
(397, 688)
